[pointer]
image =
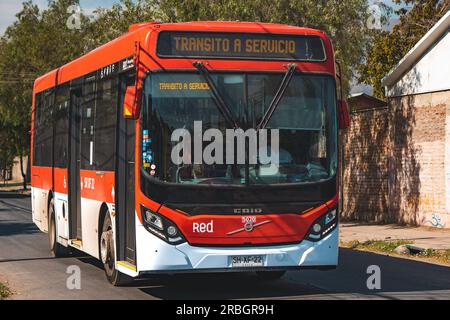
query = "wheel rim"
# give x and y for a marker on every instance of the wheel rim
(106, 250)
(104, 247)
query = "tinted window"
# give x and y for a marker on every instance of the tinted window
(37, 140)
(105, 124)
(61, 115)
(305, 120)
(87, 125)
(47, 130)
(43, 131)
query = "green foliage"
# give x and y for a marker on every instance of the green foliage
(386, 246)
(343, 21)
(111, 23)
(36, 43)
(4, 292)
(386, 49)
(7, 147)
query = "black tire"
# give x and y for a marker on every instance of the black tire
(57, 249)
(107, 255)
(270, 275)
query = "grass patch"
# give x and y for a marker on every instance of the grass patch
(385, 246)
(4, 292)
(388, 246)
(436, 255)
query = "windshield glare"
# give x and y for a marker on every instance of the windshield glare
(305, 119)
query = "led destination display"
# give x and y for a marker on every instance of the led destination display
(172, 44)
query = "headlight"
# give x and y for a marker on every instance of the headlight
(323, 226)
(154, 220)
(161, 227)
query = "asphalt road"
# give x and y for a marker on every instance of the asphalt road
(25, 263)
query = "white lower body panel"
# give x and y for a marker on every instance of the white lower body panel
(154, 254)
(62, 217)
(90, 210)
(39, 208)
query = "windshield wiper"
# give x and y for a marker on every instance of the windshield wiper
(278, 96)
(220, 102)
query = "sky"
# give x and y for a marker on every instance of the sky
(9, 9)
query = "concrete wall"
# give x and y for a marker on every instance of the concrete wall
(429, 74)
(16, 172)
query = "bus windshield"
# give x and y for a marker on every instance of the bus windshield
(305, 120)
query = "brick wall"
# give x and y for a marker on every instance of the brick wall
(397, 162)
(417, 184)
(365, 173)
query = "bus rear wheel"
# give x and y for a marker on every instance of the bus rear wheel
(270, 275)
(57, 249)
(115, 277)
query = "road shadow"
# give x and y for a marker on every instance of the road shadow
(13, 228)
(213, 286)
(13, 195)
(222, 286)
(399, 276)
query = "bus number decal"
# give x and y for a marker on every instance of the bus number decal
(89, 183)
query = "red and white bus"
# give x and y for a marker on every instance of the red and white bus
(102, 177)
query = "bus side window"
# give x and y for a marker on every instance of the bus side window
(61, 116)
(37, 130)
(105, 124)
(87, 125)
(46, 130)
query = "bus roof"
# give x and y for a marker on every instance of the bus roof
(124, 46)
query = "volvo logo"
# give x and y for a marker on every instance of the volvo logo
(249, 225)
(248, 210)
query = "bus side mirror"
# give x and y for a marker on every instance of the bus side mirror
(343, 115)
(132, 102)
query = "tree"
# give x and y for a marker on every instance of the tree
(112, 23)
(7, 148)
(343, 21)
(33, 45)
(386, 48)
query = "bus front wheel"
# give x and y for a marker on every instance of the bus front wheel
(108, 257)
(57, 249)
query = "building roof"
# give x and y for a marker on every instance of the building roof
(418, 50)
(362, 101)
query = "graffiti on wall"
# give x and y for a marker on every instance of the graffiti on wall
(436, 221)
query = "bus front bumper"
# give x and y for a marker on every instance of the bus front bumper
(155, 255)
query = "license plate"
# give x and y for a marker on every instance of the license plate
(246, 261)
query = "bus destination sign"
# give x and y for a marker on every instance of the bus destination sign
(182, 44)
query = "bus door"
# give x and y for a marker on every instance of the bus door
(74, 164)
(125, 180)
